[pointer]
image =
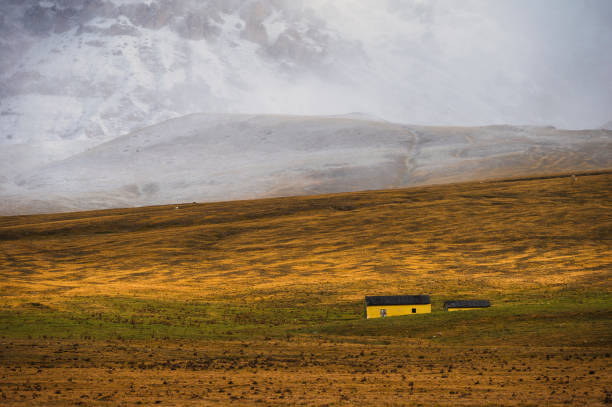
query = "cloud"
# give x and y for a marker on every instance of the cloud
(481, 62)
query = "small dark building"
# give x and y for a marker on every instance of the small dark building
(380, 306)
(464, 305)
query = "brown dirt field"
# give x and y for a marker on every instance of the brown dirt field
(300, 373)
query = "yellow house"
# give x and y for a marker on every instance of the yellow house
(466, 305)
(381, 306)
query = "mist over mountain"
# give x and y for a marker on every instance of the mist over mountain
(220, 157)
(78, 74)
(84, 71)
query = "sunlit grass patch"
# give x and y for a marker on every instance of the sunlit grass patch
(571, 320)
(576, 319)
(296, 266)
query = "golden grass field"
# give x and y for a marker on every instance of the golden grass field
(261, 302)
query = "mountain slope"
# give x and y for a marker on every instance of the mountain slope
(208, 157)
(74, 73)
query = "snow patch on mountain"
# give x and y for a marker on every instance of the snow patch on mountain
(216, 157)
(74, 70)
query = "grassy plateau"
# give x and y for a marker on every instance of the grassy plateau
(262, 301)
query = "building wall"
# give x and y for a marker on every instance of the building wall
(465, 309)
(373, 311)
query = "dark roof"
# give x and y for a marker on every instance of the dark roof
(467, 304)
(397, 300)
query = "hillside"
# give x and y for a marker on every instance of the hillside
(500, 239)
(219, 157)
(262, 301)
(164, 59)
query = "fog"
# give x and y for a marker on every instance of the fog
(78, 76)
(481, 62)
(77, 71)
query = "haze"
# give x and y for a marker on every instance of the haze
(76, 70)
(117, 103)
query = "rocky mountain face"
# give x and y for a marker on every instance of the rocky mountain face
(81, 72)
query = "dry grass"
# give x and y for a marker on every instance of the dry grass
(444, 240)
(284, 279)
